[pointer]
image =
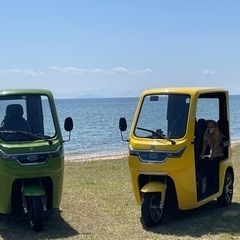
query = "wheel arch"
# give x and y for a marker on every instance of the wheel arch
(230, 170)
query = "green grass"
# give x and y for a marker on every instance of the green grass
(98, 203)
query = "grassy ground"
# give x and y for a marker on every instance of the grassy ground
(98, 203)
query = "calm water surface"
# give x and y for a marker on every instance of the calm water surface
(96, 130)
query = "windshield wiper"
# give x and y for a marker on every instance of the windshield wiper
(158, 134)
(27, 133)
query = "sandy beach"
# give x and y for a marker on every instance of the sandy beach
(96, 157)
(79, 158)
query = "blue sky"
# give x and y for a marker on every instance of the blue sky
(119, 48)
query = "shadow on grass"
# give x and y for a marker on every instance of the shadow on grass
(208, 219)
(16, 227)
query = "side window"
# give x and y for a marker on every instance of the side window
(208, 108)
(212, 106)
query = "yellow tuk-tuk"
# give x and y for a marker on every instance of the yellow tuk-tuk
(165, 144)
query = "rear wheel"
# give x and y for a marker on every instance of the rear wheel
(35, 212)
(226, 198)
(152, 209)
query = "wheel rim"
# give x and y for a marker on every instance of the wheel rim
(156, 208)
(229, 189)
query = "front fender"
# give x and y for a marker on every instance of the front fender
(154, 187)
(33, 190)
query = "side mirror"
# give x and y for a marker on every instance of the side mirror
(122, 124)
(123, 127)
(68, 126)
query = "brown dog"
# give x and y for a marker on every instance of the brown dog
(212, 138)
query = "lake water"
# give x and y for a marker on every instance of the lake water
(96, 132)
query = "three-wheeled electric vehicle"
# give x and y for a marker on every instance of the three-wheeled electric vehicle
(31, 154)
(165, 145)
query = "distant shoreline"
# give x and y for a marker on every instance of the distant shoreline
(90, 96)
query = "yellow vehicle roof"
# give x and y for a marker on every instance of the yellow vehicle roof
(184, 90)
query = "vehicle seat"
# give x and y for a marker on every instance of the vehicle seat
(14, 119)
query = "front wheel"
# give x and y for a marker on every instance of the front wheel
(152, 209)
(35, 212)
(226, 198)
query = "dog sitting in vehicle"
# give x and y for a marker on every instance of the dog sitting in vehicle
(212, 138)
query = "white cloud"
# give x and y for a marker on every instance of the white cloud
(71, 70)
(116, 70)
(21, 71)
(120, 70)
(208, 72)
(146, 70)
(75, 71)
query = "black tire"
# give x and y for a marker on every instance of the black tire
(226, 198)
(35, 212)
(152, 209)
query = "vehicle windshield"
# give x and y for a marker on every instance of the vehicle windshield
(26, 117)
(163, 116)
